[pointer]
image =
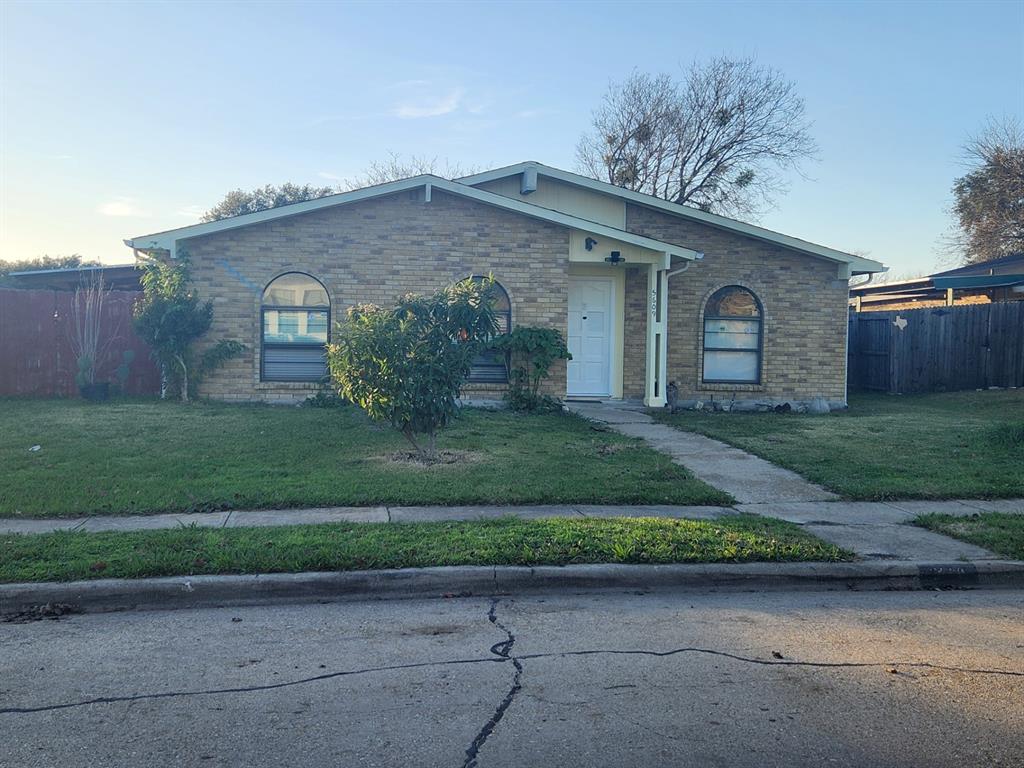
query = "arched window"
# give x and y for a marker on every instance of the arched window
(296, 315)
(732, 337)
(492, 367)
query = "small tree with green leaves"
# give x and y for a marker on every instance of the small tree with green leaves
(532, 351)
(170, 318)
(406, 365)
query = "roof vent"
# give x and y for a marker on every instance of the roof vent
(529, 181)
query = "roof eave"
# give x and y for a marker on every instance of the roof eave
(159, 240)
(167, 241)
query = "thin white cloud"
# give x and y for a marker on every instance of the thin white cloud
(60, 157)
(442, 106)
(529, 114)
(191, 212)
(352, 118)
(328, 176)
(122, 207)
(409, 84)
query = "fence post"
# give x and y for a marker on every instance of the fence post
(894, 358)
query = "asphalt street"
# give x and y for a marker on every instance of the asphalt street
(609, 679)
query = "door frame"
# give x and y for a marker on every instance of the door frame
(617, 277)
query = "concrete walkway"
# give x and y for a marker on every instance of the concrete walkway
(874, 530)
(883, 530)
(747, 478)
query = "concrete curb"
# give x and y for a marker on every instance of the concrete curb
(216, 591)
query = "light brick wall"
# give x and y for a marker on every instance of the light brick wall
(375, 251)
(805, 313)
(634, 358)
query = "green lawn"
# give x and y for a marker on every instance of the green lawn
(148, 457)
(359, 546)
(950, 445)
(998, 532)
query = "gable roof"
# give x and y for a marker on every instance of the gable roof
(858, 264)
(168, 240)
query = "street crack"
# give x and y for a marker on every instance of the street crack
(502, 651)
(246, 688)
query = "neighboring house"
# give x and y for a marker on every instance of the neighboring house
(118, 277)
(983, 283)
(647, 292)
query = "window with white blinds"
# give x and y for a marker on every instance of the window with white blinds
(295, 327)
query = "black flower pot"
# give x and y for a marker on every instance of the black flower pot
(96, 393)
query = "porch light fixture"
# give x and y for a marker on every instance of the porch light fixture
(615, 258)
(589, 243)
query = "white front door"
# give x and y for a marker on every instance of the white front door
(590, 336)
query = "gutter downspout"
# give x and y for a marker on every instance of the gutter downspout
(672, 273)
(682, 269)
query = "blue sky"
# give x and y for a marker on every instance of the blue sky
(122, 119)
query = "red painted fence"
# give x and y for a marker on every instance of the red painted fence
(35, 351)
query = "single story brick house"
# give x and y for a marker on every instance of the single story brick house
(656, 300)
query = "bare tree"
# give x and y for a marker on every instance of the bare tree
(989, 198)
(718, 139)
(397, 167)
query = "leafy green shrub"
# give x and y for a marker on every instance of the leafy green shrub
(531, 351)
(406, 365)
(325, 398)
(170, 317)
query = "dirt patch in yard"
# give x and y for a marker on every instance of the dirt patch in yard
(413, 460)
(610, 449)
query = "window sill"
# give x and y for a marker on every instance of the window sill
(707, 386)
(299, 385)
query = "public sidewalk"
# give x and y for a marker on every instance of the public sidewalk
(873, 530)
(893, 555)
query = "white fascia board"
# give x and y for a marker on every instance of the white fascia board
(167, 241)
(857, 264)
(160, 240)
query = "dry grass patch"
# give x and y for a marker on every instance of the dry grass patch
(414, 460)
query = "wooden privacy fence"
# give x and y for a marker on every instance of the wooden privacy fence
(938, 349)
(35, 351)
